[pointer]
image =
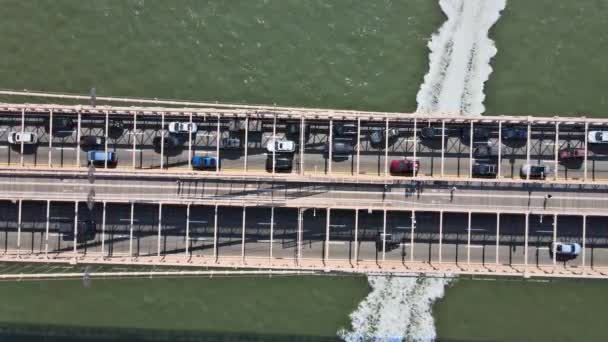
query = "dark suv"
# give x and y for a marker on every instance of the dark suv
(281, 164)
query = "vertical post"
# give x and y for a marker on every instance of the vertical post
(499, 143)
(554, 236)
(50, 162)
(471, 150)
(586, 150)
(103, 230)
(187, 244)
(19, 223)
(22, 131)
(526, 240)
(497, 236)
(215, 234)
(384, 235)
(218, 141)
(274, 143)
(271, 230)
(331, 144)
(131, 231)
(584, 238)
(412, 228)
(160, 224)
(415, 141)
(469, 240)
(442, 147)
(356, 250)
(243, 234)
(162, 140)
(48, 223)
(528, 142)
(556, 151)
(75, 226)
(105, 141)
(440, 234)
(358, 145)
(78, 132)
(302, 144)
(190, 144)
(386, 149)
(246, 143)
(327, 222)
(299, 237)
(134, 138)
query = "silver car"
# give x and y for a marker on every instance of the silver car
(27, 138)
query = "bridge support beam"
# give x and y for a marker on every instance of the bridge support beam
(48, 223)
(556, 152)
(413, 230)
(386, 149)
(103, 230)
(299, 237)
(218, 141)
(271, 231)
(246, 160)
(78, 134)
(356, 248)
(528, 143)
(303, 139)
(190, 143)
(22, 131)
(415, 143)
(331, 145)
(584, 240)
(526, 239)
(497, 237)
(442, 147)
(440, 234)
(134, 139)
(19, 225)
(499, 143)
(554, 237)
(75, 226)
(131, 230)
(162, 140)
(469, 239)
(384, 235)
(50, 161)
(187, 243)
(215, 254)
(471, 140)
(105, 141)
(586, 150)
(274, 141)
(358, 145)
(327, 224)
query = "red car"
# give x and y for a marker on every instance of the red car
(405, 167)
(572, 153)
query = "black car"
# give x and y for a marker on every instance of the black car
(514, 133)
(170, 142)
(86, 231)
(60, 125)
(480, 134)
(378, 136)
(431, 133)
(115, 128)
(281, 164)
(345, 129)
(293, 130)
(485, 152)
(484, 170)
(231, 143)
(340, 149)
(88, 142)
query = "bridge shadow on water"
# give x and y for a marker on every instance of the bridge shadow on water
(61, 333)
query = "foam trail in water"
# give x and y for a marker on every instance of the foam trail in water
(397, 309)
(459, 60)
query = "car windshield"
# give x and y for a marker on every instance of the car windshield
(598, 136)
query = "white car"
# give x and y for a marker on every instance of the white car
(538, 171)
(27, 138)
(285, 146)
(598, 137)
(566, 249)
(182, 127)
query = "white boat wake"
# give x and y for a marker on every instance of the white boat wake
(459, 61)
(397, 309)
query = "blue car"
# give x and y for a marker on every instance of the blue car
(98, 158)
(204, 162)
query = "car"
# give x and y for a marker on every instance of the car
(204, 162)
(345, 129)
(27, 138)
(485, 152)
(340, 149)
(514, 133)
(86, 231)
(572, 154)
(115, 128)
(61, 125)
(480, 134)
(231, 143)
(404, 167)
(391, 241)
(91, 141)
(484, 170)
(281, 164)
(538, 171)
(293, 129)
(98, 158)
(431, 133)
(170, 142)
(182, 127)
(280, 146)
(597, 137)
(378, 137)
(566, 249)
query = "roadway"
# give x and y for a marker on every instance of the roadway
(135, 149)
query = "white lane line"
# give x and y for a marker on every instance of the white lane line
(202, 238)
(544, 231)
(198, 221)
(476, 246)
(337, 242)
(65, 148)
(136, 150)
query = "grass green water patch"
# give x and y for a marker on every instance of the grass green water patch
(551, 59)
(281, 306)
(320, 53)
(515, 310)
